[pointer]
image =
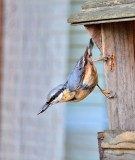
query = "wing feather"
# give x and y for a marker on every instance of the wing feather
(74, 80)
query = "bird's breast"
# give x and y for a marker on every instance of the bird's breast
(90, 79)
(67, 95)
(90, 75)
(81, 94)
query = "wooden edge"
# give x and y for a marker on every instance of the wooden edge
(100, 137)
(101, 3)
(117, 139)
(102, 21)
(95, 33)
(116, 144)
(104, 14)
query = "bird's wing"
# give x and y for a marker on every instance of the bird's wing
(74, 80)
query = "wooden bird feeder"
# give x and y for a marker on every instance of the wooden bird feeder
(111, 24)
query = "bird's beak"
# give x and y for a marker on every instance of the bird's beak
(43, 108)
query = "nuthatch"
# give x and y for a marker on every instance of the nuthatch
(80, 83)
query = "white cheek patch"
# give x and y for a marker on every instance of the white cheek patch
(58, 99)
(60, 96)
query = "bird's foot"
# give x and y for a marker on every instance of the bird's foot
(102, 58)
(110, 94)
(106, 57)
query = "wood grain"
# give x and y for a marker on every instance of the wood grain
(119, 39)
(117, 145)
(104, 3)
(119, 155)
(95, 33)
(113, 13)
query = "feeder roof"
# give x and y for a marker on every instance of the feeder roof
(104, 11)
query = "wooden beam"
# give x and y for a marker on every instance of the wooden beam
(105, 3)
(95, 33)
(106, 14)
(118, 41)
(117, 145)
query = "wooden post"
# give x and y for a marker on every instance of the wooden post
(118, 40)
(112, 27)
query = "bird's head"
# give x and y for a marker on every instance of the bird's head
(53, 97)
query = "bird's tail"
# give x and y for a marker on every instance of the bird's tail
(43, 108)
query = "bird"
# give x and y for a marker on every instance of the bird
(79, 84)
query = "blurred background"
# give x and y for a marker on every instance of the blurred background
(38, 49)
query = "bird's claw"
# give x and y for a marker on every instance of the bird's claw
(110, 94)
(104, 57)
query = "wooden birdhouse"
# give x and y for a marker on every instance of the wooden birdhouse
(111, 24)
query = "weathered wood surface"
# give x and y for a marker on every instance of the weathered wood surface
(119, 155)
(117, 145)
(95, 33)
(118, 39)
(104, 12)
(105, 3)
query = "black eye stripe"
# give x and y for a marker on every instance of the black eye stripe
(56, 95)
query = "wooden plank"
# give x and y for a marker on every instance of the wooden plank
(103, 21)
(100, 137)
(117, 145)
(119, 155)
(95, 33)
(118, 140)
(119, 39)
(104, 3)
(105, 14)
